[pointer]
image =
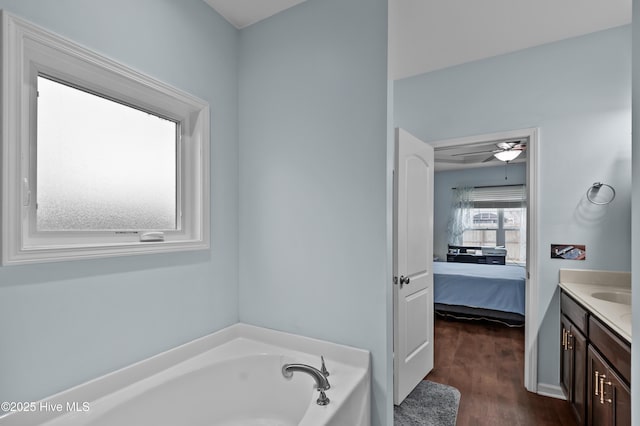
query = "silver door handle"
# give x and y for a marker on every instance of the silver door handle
(404, 280)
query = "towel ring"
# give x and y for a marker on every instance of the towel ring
(595, 188)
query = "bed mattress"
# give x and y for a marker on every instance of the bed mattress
(494, 287)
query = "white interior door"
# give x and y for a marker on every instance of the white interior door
(413, 263)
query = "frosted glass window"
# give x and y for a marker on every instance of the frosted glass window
(102, 165)
(100, 160)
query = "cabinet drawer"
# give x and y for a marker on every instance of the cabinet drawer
(614, 348)
(495, 260)
(572, 310)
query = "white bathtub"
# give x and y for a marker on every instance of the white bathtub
(230, 378)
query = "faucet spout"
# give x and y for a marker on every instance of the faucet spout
(321, 381)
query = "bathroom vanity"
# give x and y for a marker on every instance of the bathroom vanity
(595, 339)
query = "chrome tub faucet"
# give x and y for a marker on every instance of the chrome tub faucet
(320, 377)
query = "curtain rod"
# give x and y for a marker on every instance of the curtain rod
(493, 186)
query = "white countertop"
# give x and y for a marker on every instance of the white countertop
(581, 284)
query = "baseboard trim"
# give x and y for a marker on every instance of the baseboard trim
(553, 391)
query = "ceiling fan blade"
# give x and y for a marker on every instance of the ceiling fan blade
(508, 146)
(449, 161)
(486, 160)
(504, 146)
(462, 154)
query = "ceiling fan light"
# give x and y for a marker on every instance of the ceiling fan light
(508, 155)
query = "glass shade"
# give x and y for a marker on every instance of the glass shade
(508, 155)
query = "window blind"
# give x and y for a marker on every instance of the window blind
(512, 196)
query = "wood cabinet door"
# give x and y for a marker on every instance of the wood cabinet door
(609, 398)
(578, 345)
(620, 395)
(566, 367)
(600, 413)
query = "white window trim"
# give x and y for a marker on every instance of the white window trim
(28, 50)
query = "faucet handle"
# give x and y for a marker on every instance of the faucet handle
(323, 369)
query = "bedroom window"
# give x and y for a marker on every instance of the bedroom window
(99, 160)
(491, 216)
(498, 227)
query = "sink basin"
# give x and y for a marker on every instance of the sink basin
(621, 297)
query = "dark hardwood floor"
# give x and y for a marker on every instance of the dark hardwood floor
(485, 361)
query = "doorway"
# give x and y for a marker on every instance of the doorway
(529, 135)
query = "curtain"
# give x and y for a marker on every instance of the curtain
(460, 217)
(522, 243)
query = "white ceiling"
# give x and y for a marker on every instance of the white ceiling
(426, 35)
(242, 13)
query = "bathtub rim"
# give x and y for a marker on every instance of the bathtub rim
(113, 381)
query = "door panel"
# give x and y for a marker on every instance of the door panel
(413, 261)
(416, 322)
(417, 222)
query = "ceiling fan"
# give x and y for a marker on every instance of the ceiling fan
(509, 151)
(506, 151)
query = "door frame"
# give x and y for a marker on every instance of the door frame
(532, 287)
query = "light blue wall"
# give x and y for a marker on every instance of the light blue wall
(313, 178)
(635, 224)
(64, 323)
(578, 93)
(443, 194)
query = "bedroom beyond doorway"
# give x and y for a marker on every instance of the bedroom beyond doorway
(471, 162)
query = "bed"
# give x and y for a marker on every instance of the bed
(480, 291)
